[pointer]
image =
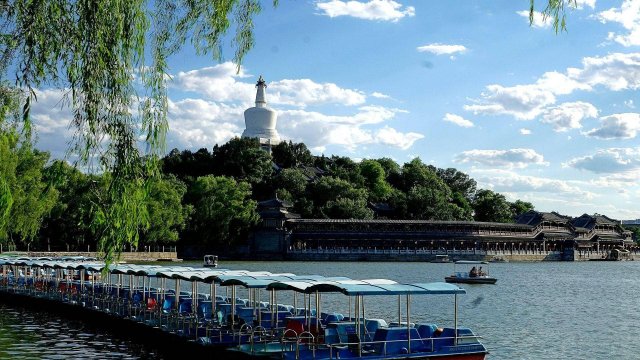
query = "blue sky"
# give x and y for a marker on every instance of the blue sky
(550, 119)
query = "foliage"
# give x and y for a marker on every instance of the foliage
(109, 57)
(167, 214)
(375, 180)
(243, 159)
(290, 155)
(345, 208)
(69, 220)
(293, 181)
(457, 181)
(556, 11)
(492, 207)
(519, 207)
(24, 196)
(223, 210)
(187, 165)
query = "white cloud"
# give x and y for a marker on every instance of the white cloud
(568, 116)
(221, 83)
(524, 102)
(617, 126)
(582, 3)
(629, 103)
(392, 137)
(379, 95)
(319, 130)
(628, 16)
(512, 158)
(216, 83)
(383, 10)
(303, 92)
(525, 131)
(458, 120)
(539, 20)
(196, 123)
(510, 181)
(615, 72)
(612, 160)
(51, 115)
(442, 49)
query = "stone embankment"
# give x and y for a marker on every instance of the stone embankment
(133, 256)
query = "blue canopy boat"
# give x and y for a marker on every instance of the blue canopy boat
(472, 276)
(329, 337)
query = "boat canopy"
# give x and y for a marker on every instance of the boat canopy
(362, 287)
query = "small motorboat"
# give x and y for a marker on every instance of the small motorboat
(476, 275)
(441, 259)
(210, 261)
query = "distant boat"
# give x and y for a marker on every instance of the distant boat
(498, 259)
(210, 261)
(473, 276)
(441, 259)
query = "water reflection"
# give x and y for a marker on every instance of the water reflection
(27, 334)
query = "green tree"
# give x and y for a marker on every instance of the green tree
(167, 215)
(457, 181)
(492, 207)
(93, 49)
(520, 207)
(68, 224)
(223, 211)
(375, 180)
(243, 159)
(290, 155)
(326, 191)
(345, 208)
(294, 181)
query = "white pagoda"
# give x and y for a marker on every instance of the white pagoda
(260, 120)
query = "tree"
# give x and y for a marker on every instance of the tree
(223, 211)
(24, 197)
(187, 165)
(556, 10)
(294, 181)
(93, 49)
(69, 221)
(375, 180)
(290, 155)
(167, 214)
(345, 208)
(328, 190)
(457, 181)
(243, 159)
(491, 207)
(520, 207)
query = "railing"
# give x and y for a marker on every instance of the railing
(406, 251)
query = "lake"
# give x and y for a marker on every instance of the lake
(550, 310)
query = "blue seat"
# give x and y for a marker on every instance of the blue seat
(168, 304)
(426, 330)
(185, 306)
(395, 345)
(205, 309)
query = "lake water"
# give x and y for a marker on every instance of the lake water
(553, 310)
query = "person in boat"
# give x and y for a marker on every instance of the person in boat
(473, 272)
(480, 272)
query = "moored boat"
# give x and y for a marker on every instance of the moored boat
(472, 276)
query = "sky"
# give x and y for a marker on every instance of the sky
(553, 119)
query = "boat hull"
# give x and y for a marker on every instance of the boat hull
(477, 280)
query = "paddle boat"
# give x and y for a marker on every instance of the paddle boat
(210, 261)
(324, 336)
(476, 275)
(441, 259)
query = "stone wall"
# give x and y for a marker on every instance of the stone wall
(125, 256)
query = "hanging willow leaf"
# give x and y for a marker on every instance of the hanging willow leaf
(95, 51)
(556, 11)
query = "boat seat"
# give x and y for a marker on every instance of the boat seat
(393, 337)
(205, 309)
(426, 331)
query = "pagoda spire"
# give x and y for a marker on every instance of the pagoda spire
(261, 100)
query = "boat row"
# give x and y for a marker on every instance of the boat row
(240, 310)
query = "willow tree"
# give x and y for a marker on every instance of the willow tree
(556, 10)
(109, 58)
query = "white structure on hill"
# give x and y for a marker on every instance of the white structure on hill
(260, 121)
